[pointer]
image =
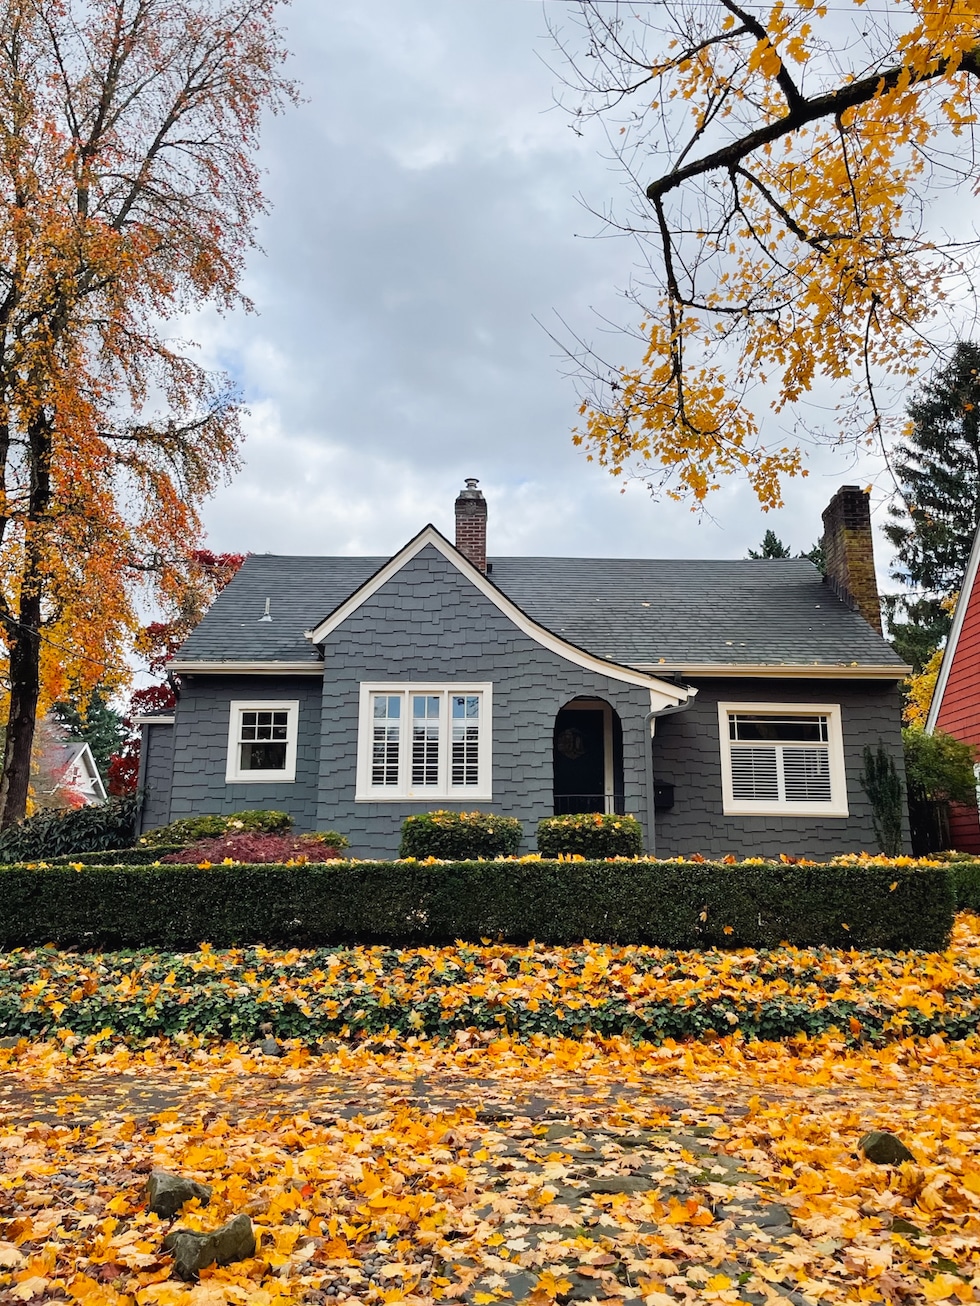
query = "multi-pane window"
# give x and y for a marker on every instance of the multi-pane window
(425, 741)
(262, 742)
(782, 760)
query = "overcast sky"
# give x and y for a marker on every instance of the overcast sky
(426, 216)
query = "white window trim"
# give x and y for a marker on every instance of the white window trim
(233, 773)
(444, 792)
(838, 780)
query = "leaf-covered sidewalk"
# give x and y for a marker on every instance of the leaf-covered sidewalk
(487, 1169)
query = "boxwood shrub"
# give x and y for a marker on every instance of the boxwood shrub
(590, 834)
(966, 881)
(460, 836)
(666, 904)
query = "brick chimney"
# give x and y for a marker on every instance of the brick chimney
(849, 552)
(471, 524)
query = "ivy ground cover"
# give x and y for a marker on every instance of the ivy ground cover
(642, 992)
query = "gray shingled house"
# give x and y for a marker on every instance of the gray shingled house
(725, 704)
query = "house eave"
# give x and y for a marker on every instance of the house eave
(204, 667)
(784, 670)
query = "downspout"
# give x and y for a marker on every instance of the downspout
(651, 800)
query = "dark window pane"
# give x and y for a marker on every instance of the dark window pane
(263, 757)
(777, 729)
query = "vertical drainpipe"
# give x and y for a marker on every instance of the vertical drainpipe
(651, 798)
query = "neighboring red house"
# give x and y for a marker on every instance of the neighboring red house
(956, 703)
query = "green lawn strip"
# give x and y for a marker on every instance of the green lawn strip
(644, 993)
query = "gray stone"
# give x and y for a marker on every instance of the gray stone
(555, 1132)
(193, 1251)
(9, 1042)
(620, 1184)
(270, 1048)
(167, 1193)
(883, 1148)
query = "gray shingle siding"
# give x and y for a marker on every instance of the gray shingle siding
(201, 748)
(687, 753)
(156, 770)
(430, 624)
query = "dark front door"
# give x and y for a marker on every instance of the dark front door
(580, 761)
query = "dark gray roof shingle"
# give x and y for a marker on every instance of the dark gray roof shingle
(674, 613)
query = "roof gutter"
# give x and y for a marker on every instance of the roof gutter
(651, 717)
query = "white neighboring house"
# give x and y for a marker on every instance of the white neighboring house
(70, 767)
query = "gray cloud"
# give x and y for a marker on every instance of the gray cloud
(424, 221)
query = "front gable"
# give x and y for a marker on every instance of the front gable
(427, 570)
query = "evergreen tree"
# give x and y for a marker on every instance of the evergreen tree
(771, 547)
(935, 520)
(97, 723)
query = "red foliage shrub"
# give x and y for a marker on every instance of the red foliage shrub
(255, 847)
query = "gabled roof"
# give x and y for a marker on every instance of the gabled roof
(959, 673)
(771, 615)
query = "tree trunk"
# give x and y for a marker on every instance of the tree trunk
(25, 637)
(25, 656)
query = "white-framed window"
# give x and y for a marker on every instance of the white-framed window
(424, 742)
(262, 742)
(782, 759)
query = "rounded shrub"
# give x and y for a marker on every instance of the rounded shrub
(190, 829)
(590, 834)
(460, 836)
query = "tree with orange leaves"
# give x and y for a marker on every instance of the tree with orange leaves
(127, 137)
(782, 157)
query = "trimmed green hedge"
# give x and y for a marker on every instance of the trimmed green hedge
(667, 904)
(117, 856)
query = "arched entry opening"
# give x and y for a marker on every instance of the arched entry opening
(588, 758)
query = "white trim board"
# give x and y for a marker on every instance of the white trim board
(206, 668)
(670, 694)
(786, 671)
(233, 771)
(959, 617)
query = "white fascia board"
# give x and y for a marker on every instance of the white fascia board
(540, 634)
(959, 617)
(153, 720)
(205, 668)
(797, 671)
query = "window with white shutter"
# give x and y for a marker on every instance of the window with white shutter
(779, 759)
(424, 742)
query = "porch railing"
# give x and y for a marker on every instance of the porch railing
(569, 804)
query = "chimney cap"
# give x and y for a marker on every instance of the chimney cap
(472, 490)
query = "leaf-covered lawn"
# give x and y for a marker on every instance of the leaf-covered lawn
(483, 1167)
(647, 993)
